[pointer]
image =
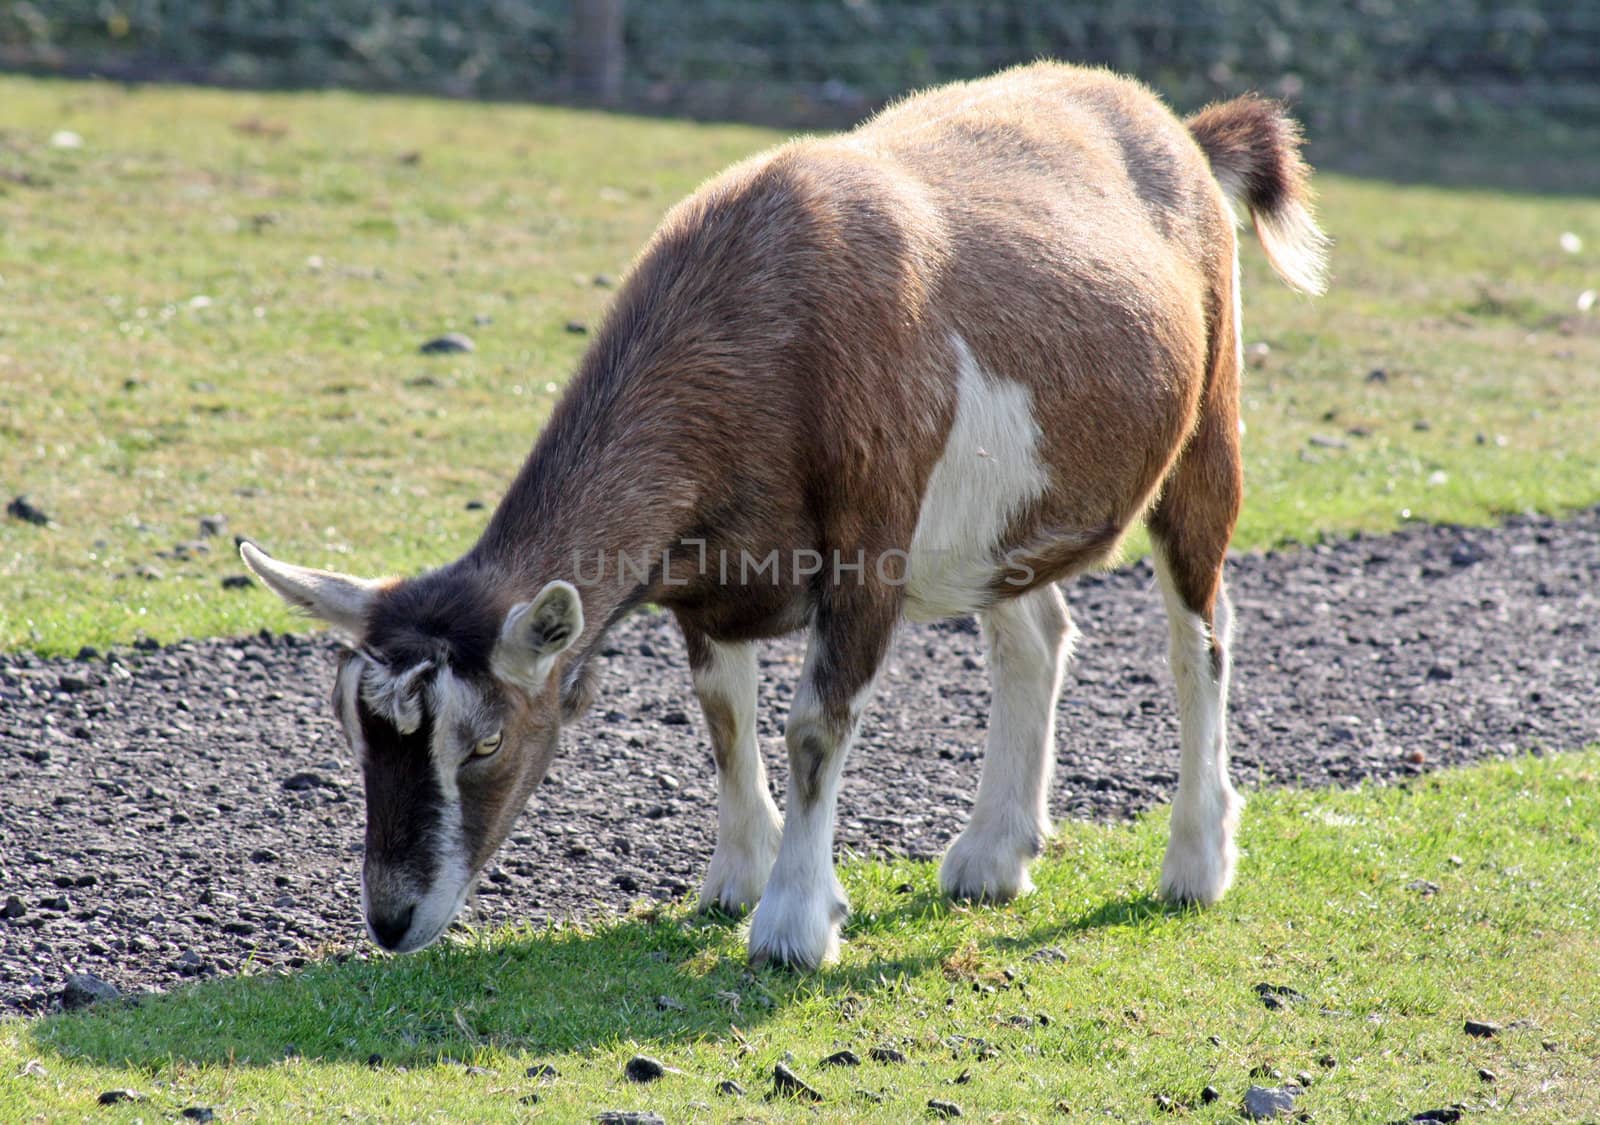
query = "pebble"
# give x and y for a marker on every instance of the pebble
(669, 1004)
(307, 779)
(1210, 1094)
(84, 989)
(786, 1083)
(1481, 1029)
(940, 1108)
(1263, 1103)
(213, 525)
(543, 1071)
(730, 1089)
(629, 1117)
(577, 327)
(448, 344)
(21, 508)
(13, 908)
(199, 1113)
(237, 582)
(1487, 1075)
(643, 1068)
(886, 1055)
(845, 1057)
(117, 1097)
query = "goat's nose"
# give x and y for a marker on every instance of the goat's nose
(390, 929)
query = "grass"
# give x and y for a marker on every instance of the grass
(1143, 1002)
(215, 304)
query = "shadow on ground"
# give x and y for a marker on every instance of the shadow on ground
(658, 976)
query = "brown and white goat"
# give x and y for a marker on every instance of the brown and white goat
(926, 368)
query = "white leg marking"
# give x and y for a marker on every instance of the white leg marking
(797, 921)
(989, 469)
(1205, 813)
(748, 824)
(1030, 640)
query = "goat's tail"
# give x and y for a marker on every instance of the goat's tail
(1254, 149)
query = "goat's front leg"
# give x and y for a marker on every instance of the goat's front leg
(748, 824)
(797, 921)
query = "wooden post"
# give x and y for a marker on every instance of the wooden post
(596, 50)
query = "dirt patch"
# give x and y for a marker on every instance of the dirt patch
(177, 813)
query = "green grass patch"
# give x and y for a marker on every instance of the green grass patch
(214, 305)
(1138, 1001)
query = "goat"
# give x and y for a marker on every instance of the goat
(926, 368)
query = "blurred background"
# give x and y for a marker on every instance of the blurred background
(1357, 70)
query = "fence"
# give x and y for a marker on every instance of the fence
(1350, 64)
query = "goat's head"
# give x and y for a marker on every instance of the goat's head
(452, 707)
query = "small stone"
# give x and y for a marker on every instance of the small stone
(1263, 1103)
(1274, 996)
(306, 779)
(886, 1055)
(1481, 1029)
(529, 1099)
(1487, 1075)
(236, 582)
(1048, 953)
(1303, 1079)
(117, 1097)
(941, 1108)
(1210, 1094)
(1377, 375)
(1416, 757)
(374, 1060)
(263, 855)
(1465, 554)
(669, 1004)
(475, 505)
(787, 1084)
(84, 989)
(200, 1113)
(1327, 441)
(728, 1088)
(13, 908)
(845, 1057)
(1164, 1103)
(1440, 1116)
(65, 138)
(88, 652)
(643, 1068)
(629, 1117)
(1266, 1070)
(73, 685)
(449, 343)
(1423, 887)
(544, 1072)
(675, 719)
(1327, 1062)
(213, 525)
(21, 508)
(577, 328)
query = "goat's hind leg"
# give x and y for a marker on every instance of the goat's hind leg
(748, 824)
(1029, 640)
(1190, 529)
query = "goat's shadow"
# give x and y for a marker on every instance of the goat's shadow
(665, 977)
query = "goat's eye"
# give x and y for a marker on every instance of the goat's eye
(488, 746)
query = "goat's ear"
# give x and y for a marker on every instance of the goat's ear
(338, 599)
(537, 632)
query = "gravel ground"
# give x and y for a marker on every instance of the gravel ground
(174, 813)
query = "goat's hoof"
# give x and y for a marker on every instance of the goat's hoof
(793, 932)
(1197, 875)
(985, 870)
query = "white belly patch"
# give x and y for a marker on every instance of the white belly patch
(989, 470)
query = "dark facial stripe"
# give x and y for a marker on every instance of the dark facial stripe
(403, 797)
